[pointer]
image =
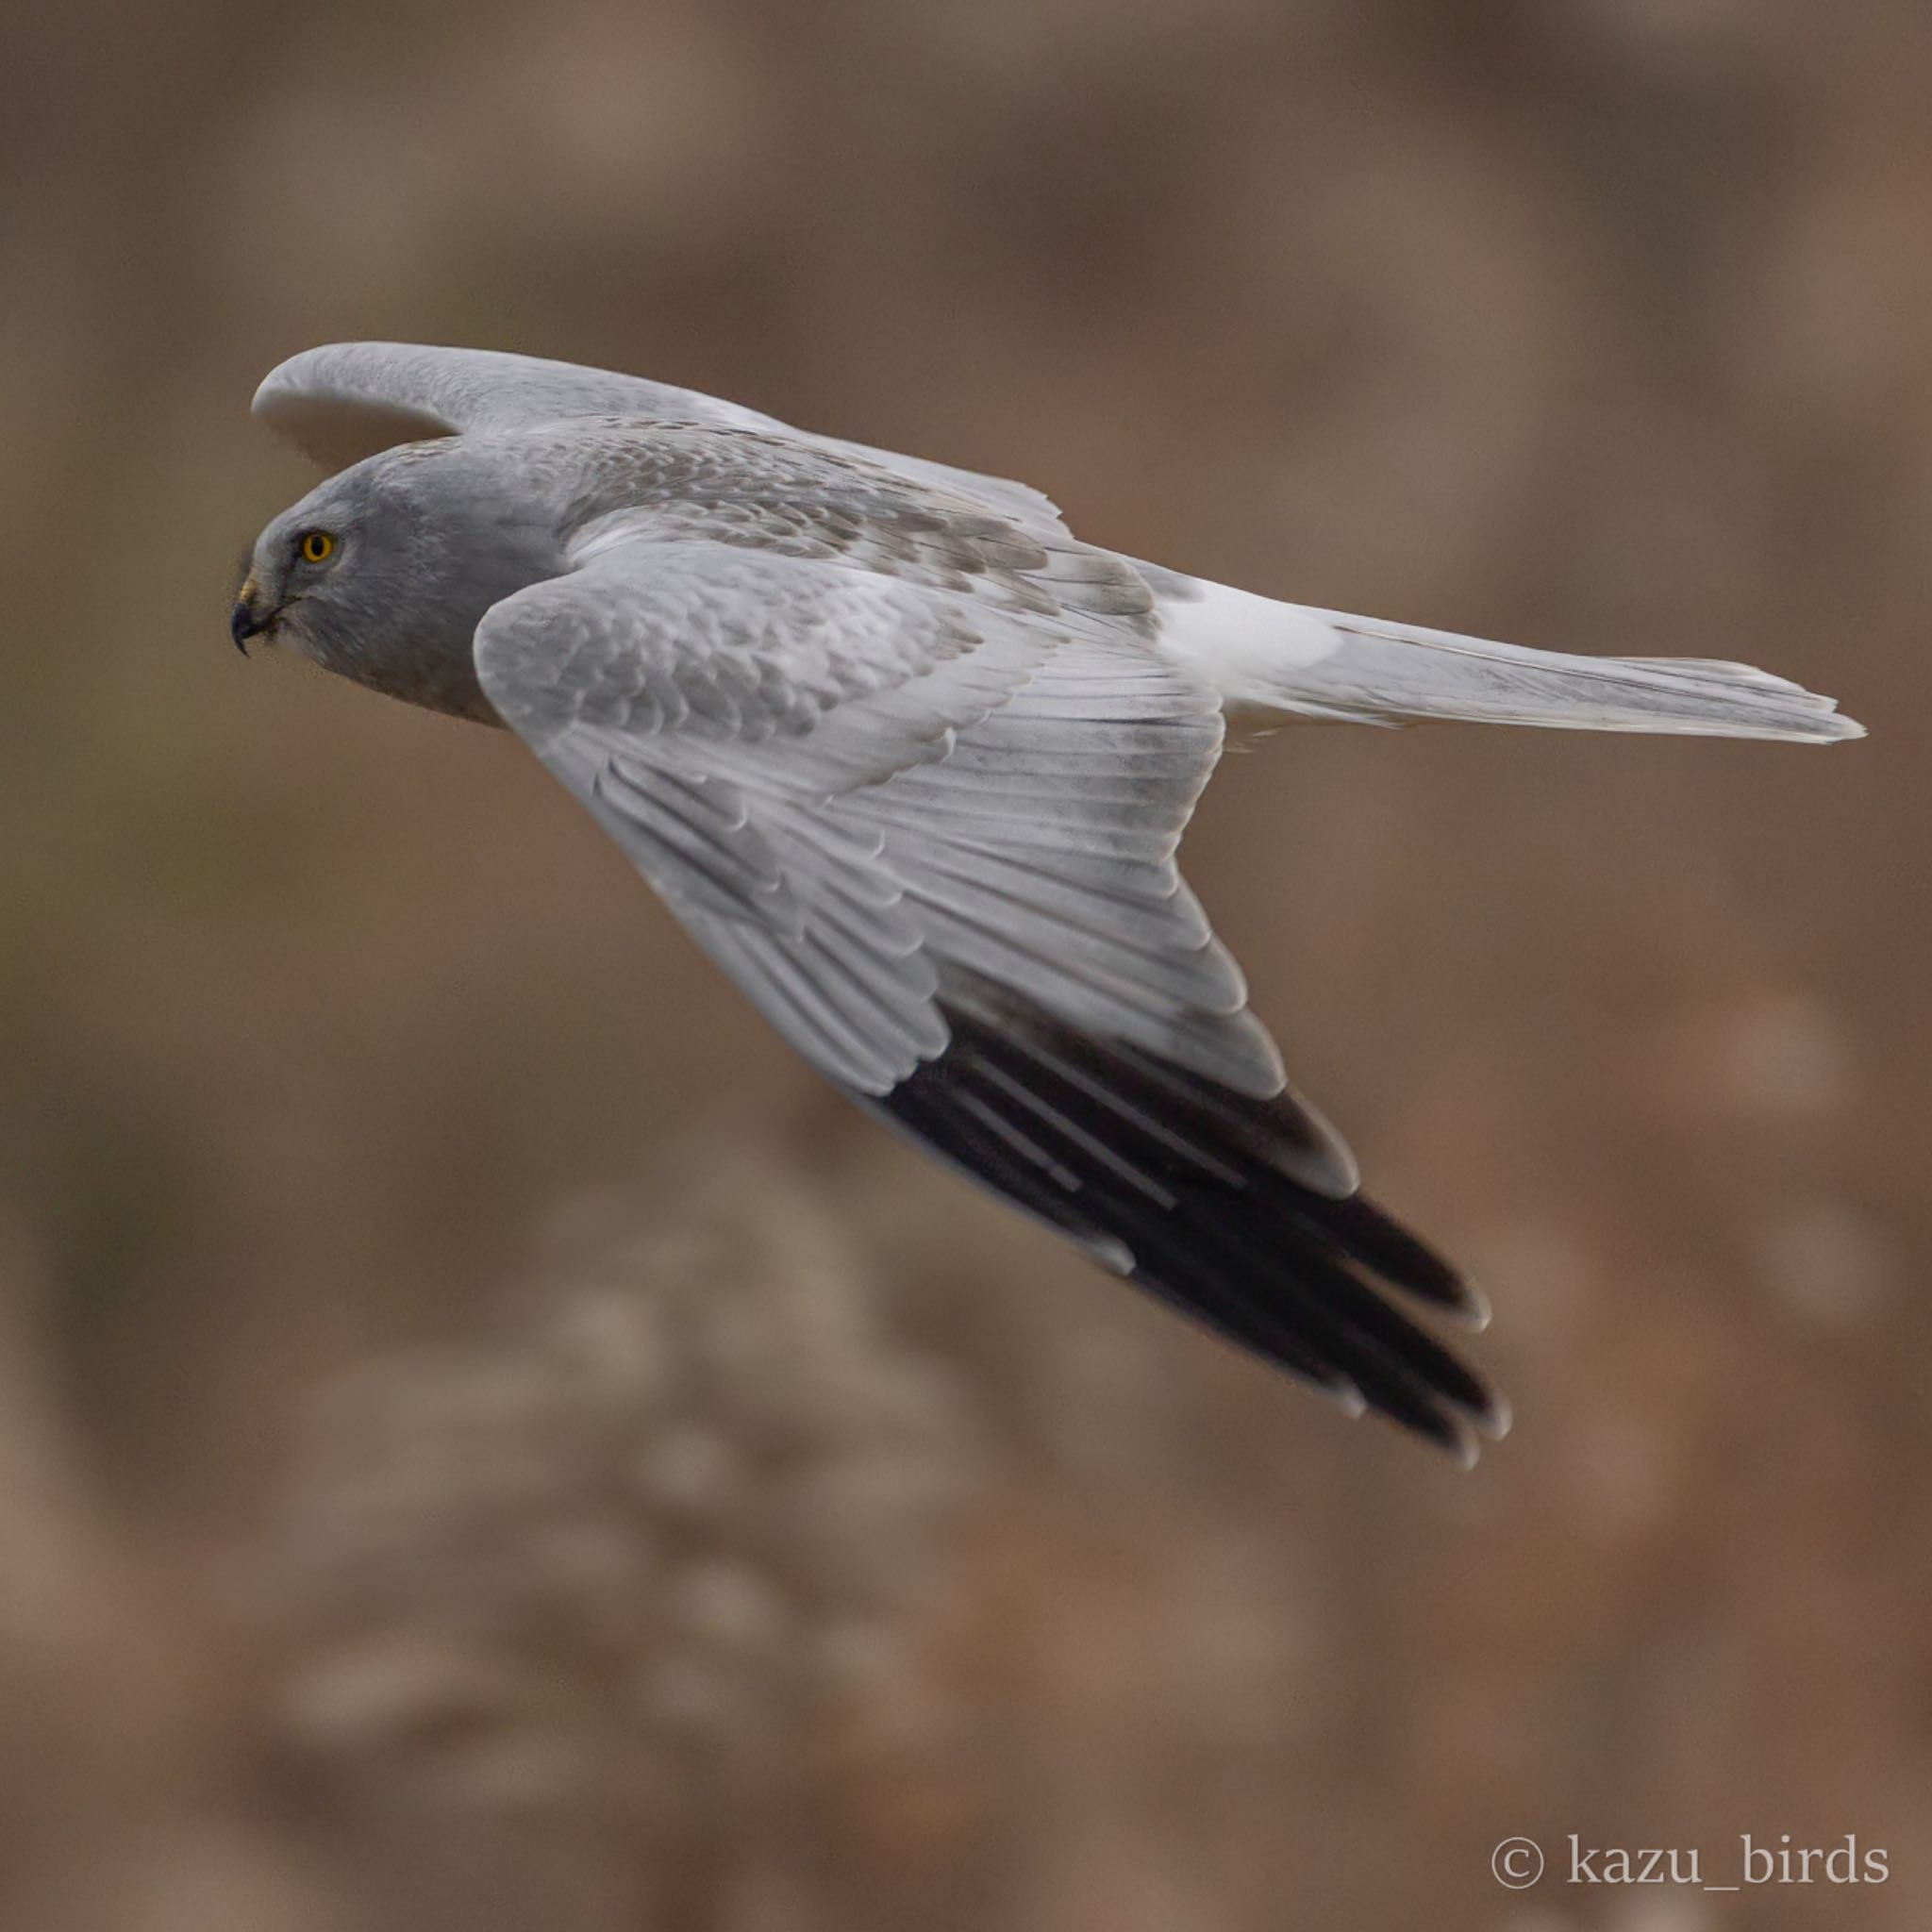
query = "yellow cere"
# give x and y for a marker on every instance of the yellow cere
(316, 546)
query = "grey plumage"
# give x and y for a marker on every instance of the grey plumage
(911, 762)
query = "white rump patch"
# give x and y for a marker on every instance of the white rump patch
(1241, 642)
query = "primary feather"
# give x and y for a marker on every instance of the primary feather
(911, 762)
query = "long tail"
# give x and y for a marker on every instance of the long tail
(1290, 659)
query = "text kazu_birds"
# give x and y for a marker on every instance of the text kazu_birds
(911, 762)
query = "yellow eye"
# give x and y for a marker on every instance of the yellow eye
(317, 547)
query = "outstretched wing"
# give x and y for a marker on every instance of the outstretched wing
(349, 400)
(931, 833)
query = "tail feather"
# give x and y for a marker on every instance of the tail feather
(1406, 671)
(1290, 659)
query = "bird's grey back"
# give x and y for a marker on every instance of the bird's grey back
(597, 482)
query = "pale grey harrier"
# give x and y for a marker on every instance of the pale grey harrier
(910, 761)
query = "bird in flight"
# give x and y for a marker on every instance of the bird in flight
(911, 762)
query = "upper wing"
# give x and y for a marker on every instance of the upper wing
(843, 780)
(932, 835)
(349, 400)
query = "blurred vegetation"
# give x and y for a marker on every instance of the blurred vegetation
(486, 1442)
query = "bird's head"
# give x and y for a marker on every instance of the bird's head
(382, 572)
(297, 589)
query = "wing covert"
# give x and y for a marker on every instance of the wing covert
(783, 740)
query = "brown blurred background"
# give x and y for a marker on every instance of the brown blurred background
(486, 1441)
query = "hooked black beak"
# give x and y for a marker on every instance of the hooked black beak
(244, 622)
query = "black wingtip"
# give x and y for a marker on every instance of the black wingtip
(1169, 1180)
